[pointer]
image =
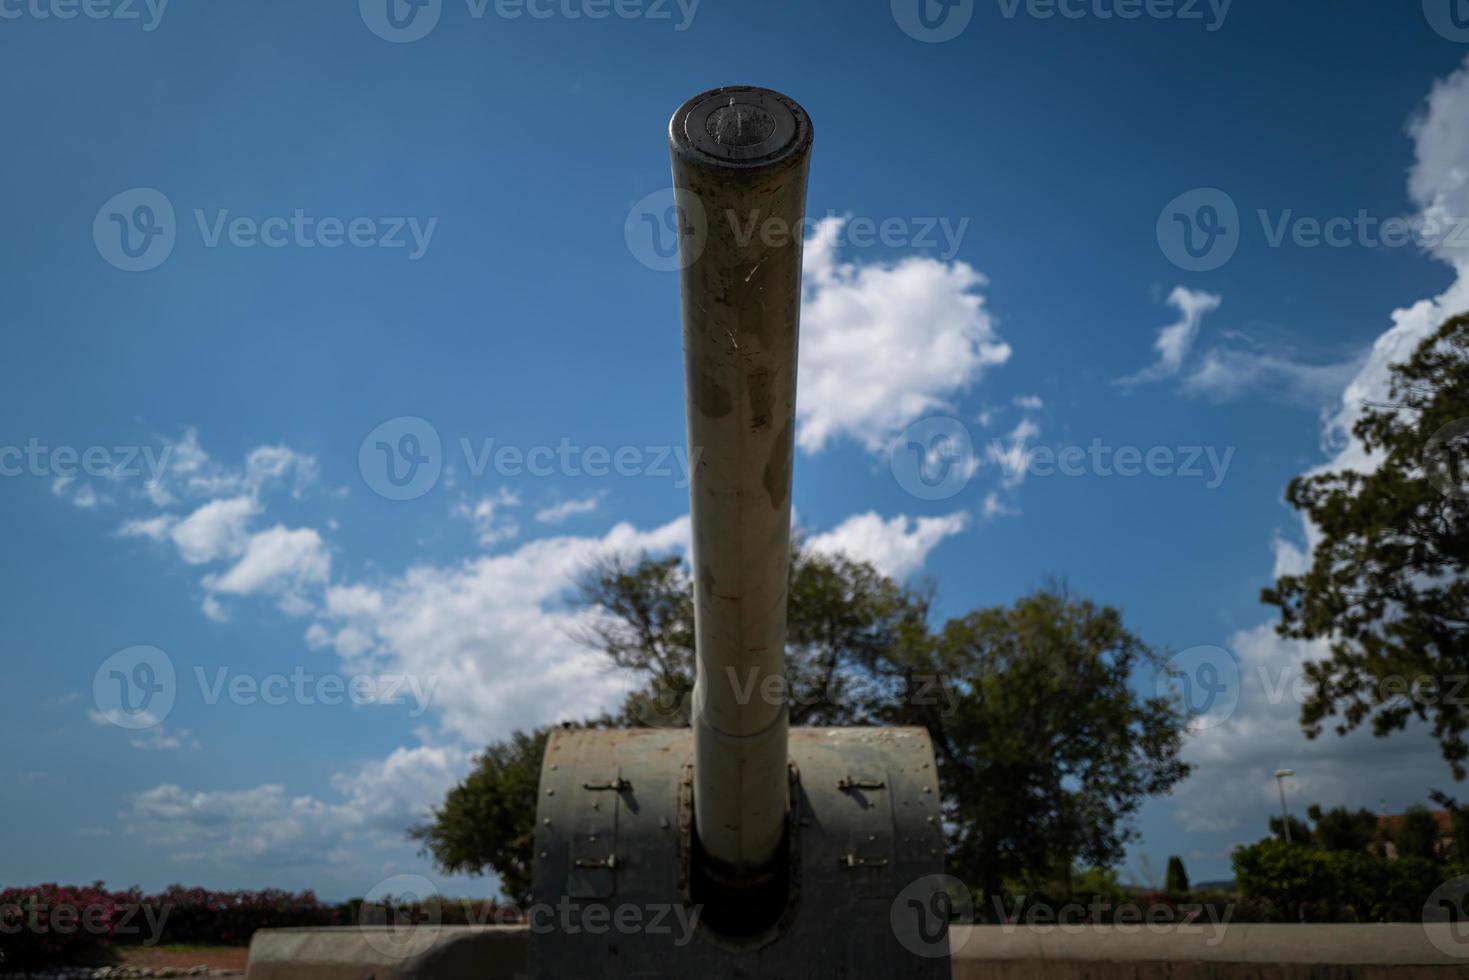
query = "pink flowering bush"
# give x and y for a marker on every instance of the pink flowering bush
(48, 925)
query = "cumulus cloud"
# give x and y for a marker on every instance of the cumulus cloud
(896, 547)
(1237, 758)
(493, 634)
(491, 524)
(883, 344)
(266, 826)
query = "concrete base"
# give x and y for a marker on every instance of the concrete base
(1237, 952)
(385, 953)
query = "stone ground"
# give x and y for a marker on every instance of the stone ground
(167, 961)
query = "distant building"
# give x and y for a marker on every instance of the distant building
(1389, 824)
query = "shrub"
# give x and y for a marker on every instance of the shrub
(52, 925)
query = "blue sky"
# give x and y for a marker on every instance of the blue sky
(486, 185)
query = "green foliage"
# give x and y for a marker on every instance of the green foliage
(1176, 882)
(487, 823)
(1340, 829)
(1300, 833)
(1309, 884)
(1417, 835)
(1387, 587)
(1045, 748)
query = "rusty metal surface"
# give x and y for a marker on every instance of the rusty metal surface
(866, 803)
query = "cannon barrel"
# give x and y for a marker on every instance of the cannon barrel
(740, 161)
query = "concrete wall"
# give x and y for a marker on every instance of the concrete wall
(1238, 952)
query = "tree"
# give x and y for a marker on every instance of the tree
(1417, 835)
(1340, 829)
(1300, 833)
(1387, 588)
(1046, 749)
(488, 821)
(1177, 881)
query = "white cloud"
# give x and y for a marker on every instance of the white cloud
(1238, 364)
(995, 506)
(558, 513)
(895, 547)
(1234, 787)
(284, 562)
(158, 739)
(1031, 403)
(1228, 372)
(265, 826)
(215, 530)
(491, 525)
(883, 344)
(1014, 460)
(1177, 339)
(492, 634)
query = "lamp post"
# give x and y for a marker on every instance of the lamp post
(1280, 777)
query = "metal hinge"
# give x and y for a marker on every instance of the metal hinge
(616, 786)
(853, 861)
(848, 783)
(611, 863)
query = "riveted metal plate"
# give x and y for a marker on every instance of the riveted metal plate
(868, 806)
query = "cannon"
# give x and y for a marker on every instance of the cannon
(786, 852)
